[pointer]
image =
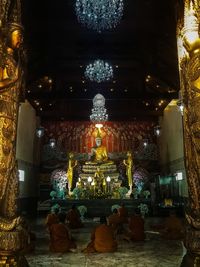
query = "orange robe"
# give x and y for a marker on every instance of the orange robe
(123, 214)
(73, 217)
(114, 221)
(173, 228)
(136, 226)
(102, 240)
(52, 218)
(60, 239)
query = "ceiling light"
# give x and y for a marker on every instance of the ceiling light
(52, 143)
(99, 71)
(157, 130)
(40, 131)
(99, 15)
(39, 85)
(99, 111)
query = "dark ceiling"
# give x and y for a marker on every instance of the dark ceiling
(142, 50)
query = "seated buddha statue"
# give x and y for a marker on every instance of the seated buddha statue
(99, 153)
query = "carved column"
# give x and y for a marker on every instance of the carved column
(13, 237)
(189, 68)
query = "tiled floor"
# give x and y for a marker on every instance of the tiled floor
(152, 252)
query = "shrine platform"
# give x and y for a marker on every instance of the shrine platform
(95, 207)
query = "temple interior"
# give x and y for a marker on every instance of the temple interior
(107, 130)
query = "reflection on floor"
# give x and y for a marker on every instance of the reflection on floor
(152, 252)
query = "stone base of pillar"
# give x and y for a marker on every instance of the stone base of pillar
(12, 260)
(11, 245)
(190, 260)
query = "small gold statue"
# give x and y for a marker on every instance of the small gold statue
(71, 164)
(99, 180)
(129, 169)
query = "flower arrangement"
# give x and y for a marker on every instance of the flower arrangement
(77, 192)
(146, 193)
(53, 194)
(143, 209)
(82, 210)
(123, 191)
(59, 181)
(116, 206)
(56, 206)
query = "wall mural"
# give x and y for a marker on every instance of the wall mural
(79, 137)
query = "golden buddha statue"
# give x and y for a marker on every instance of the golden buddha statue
(71, 164)
(99, 153)
(99, 180)
(129, 169)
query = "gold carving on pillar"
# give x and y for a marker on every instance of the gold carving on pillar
(189, 68)
(12, 235)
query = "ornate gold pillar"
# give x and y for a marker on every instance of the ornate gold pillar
(189, 69)
(13, 237)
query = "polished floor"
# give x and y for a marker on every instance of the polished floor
(152, 252)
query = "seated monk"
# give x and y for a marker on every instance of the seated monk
(114, 221)
(60, 239)
(52, 217)
(136, 227)
(73, 217)
(123, 214)
(172, 228)
(102, 239)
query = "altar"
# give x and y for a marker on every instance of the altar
(99, 207)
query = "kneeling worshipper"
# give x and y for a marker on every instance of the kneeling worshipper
(115, 222)
(60, 238)
(102, 239)
(123, 213)
(173, 227)
(73, 217)
(52, 218)
(136, 227)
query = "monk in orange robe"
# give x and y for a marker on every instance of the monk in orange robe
(114, 221)
(123, 213)
(73, 217)
(102, 239)
(136, 227)
(61, 240)
(52, 218)
(173, 228)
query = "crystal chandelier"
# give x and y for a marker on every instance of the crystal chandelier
(99, 14)
(98, 111)
(99, 71)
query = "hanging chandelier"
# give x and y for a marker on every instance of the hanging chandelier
(99, 14)
(99, 71)
(99, 111)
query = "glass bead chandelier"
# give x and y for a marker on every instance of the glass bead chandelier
(99, 14)
(99, 71)
(99, 111)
